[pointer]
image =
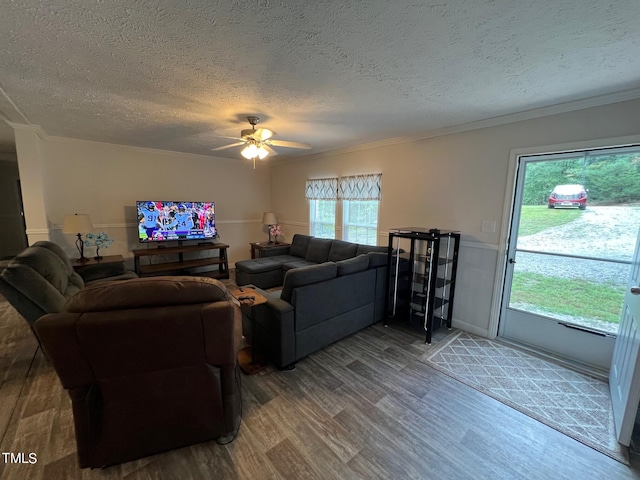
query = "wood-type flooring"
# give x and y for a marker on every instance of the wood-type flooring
(363, 408)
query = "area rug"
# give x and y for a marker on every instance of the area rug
(572, 403)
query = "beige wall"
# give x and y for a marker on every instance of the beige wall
(451, 182)
(105, 180)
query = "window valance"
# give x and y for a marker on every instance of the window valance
(322, 189)
(360, 187)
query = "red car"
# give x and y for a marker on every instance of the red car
(568, 196)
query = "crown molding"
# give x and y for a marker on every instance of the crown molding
(556, 109)
(132, 148)
(45, 137)
(6, 104)
(37, 129)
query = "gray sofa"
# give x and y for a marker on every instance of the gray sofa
(318, 305)
(41, 279)
(305, 250)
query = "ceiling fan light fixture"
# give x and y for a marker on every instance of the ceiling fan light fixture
(257, 143)
(253, 150)
(250, 151)
(262, 152)
(265, 134)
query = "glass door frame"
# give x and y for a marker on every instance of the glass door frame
(510, 203)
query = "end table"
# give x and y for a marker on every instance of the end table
(249, 359)
(77, 264)
(265, 249)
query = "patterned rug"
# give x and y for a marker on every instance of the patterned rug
(572, 403)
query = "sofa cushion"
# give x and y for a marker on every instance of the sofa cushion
(297, 264)
(147, 293)
(341, 250)
(264, 264)
(371, 248)
(377, 259)
(318, 250)
(352, 265)
(45, 263)
(305, 276)
(299, 245)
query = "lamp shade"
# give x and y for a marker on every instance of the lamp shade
(250, 151)
(262, 152)
(269, 218)
(253, 150)
(78, 223)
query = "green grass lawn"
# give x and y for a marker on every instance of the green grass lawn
(536, 218)
(577, 298)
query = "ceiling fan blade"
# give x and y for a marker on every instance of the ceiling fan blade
(286, 144)
(269, 149)
(228, 146)
(263, 133)
(226, 136)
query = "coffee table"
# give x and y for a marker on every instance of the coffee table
(249, 358)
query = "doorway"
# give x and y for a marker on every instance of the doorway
(574, 225)
(13, 237)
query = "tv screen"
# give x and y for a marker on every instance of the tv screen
(164, 221)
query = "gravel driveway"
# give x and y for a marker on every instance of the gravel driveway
(601, 232)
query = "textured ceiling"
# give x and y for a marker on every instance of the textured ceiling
(181, 75)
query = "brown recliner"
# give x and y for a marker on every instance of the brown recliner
(150, 364)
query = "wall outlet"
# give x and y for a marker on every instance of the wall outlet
(489, 226)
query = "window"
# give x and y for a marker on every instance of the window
(323, 218)
(360, 196)
(360, 221)
(322, 194)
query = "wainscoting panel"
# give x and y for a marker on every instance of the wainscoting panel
(474, 289)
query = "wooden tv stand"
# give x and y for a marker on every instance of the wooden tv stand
(181, 264)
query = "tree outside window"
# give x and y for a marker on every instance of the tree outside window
(323, 218)
(360, 221)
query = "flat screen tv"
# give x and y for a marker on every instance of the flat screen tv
(161, 221)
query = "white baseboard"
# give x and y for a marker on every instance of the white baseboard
(468, 327)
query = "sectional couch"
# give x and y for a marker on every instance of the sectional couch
(305, 250)
(327, 294)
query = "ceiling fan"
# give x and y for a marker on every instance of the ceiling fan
(258, 142)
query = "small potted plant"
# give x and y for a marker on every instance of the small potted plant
(100, 240)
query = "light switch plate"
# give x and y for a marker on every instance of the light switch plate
(489, 226)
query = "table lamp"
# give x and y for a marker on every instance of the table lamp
(78, 224)
(269, 218)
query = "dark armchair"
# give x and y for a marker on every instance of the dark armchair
(150, 365)
(41, 280)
